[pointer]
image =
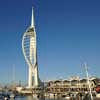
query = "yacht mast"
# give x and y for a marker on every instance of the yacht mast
(88, 80)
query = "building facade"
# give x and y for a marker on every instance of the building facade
(65, 86)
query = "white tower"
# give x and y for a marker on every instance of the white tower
(29, 48)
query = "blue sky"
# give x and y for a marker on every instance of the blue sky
(68, 34)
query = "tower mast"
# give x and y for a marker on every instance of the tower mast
(32, 18)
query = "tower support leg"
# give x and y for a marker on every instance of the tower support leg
(30, 78)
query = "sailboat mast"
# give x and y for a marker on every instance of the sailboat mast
(88, 80)
(13, 73)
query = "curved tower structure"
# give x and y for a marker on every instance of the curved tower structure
(29, 48)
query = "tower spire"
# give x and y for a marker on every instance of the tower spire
(32, 18)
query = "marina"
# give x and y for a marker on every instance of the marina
(31, 98)
(28, 84)
(56, 98)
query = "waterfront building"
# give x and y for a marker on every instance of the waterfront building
(29, 47)
(67, 86)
